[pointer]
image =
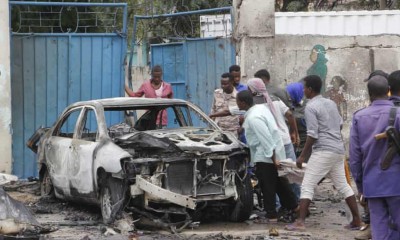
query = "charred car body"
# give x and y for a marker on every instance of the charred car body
(110, 151)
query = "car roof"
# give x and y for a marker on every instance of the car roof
(130, 101)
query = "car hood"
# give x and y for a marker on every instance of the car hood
(187, 140)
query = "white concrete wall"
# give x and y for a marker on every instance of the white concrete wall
(5, 91)
(347, 23)
(288, 58)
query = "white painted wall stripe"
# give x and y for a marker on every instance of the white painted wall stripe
(348, 23)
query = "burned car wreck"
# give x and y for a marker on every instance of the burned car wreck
(116, 153)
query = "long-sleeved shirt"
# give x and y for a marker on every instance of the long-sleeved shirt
(281, 109)
(262, 135)
(323, 123)
(149, 92)
(366, 153)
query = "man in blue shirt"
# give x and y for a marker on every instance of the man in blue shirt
(380, 187)
(234, 70)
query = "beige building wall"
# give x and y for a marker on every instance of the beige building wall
(342, 62)
(5, 90)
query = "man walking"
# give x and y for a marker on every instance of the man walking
(378, 185)
(224, 98)
(324, 143)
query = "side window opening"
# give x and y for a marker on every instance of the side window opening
(67, 127)
(89, 126)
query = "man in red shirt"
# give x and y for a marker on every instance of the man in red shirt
(154, 88)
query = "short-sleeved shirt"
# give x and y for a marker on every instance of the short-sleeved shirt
(223, 101)
(324, 123)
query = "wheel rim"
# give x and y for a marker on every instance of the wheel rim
(106, 203)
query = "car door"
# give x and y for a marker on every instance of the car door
(83, 148)
(59, 151)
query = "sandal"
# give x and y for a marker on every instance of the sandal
(295, 227)
(352, 227)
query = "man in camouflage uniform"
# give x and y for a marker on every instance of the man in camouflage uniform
(223, 98)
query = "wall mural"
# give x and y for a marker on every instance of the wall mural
(319, 61)
(337, 87)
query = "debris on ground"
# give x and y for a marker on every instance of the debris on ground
(6, 178)
(15, 218)
(273, 232)
(77, 221)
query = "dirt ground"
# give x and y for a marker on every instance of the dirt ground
(77, 221)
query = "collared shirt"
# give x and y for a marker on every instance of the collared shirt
(262, 135)
(280, 93)
(148, 91)
(366, 153)
(223, 101)
(324, 123)
(241, 87)
(281, 110)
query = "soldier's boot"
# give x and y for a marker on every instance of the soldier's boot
(365, 234)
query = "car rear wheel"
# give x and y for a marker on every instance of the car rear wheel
(46, 185)
(112, 199)
(242, 207)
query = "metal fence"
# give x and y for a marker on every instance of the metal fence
(57, 17)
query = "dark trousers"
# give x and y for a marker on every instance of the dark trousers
(270, 185)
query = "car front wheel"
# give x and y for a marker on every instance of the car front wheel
(242, 207)
(112, 199)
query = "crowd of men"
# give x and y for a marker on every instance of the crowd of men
(298, 123)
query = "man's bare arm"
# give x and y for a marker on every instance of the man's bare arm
(222, 113)
(294, 134)
(306, 151)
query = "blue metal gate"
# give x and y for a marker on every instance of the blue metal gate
(171, 58)
(52, 70)
(194, 67)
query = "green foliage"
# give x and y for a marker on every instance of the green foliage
(156, 29)
(69, 18)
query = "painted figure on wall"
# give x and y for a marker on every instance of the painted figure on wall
(336, 91)
(319, 61)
